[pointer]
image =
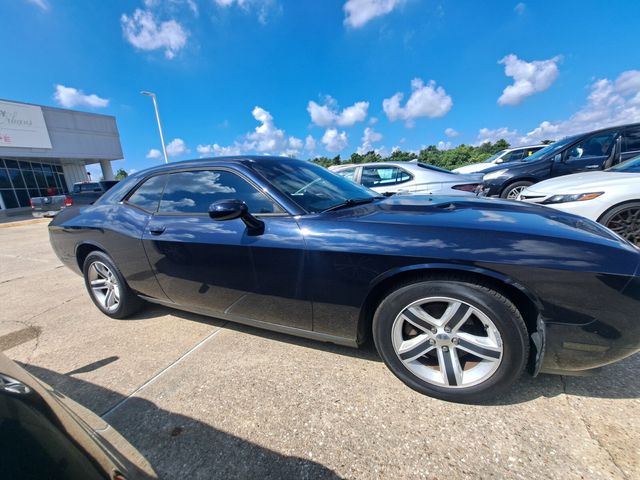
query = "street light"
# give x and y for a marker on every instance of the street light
(155, 107)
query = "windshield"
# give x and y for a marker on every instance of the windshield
(494, 156)
(311, 186)
(630, 166)
(551, 149)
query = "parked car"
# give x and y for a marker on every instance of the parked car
(611, 197)
(44, 434)
(390, 178)
(459, 293)
(503, 156)
(83, 193)
(596, 150)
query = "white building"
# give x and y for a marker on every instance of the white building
(45, 150)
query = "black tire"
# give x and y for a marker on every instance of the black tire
(501, 312)
(624, 220)
(127, 301)
(515, 186)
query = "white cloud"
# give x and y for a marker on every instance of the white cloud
(145, 33)
(267, 138)
(444, 145)
(335, 141)
(154, 153)
(451, 133)
(41, 4)
(328, 114)
(310, 143)
(520, 8)
(359, 12)
(528, 77)
(218, 151)
(177, 147)
(70, 97)
(373, 120)
(369, 137)
(425, 101)
(263, 8)
(493, 135)
(610, 102)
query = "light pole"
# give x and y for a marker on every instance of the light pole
(155, 107)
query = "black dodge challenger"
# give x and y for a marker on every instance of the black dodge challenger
(461, 295)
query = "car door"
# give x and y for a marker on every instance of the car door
(587, 155)
(219, 266)
(630, 143)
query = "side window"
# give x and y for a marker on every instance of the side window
(147, 196)
(599, 145)
(513, 156)
(631, 141)
(383, 176)
(193, 192)
(348, 173)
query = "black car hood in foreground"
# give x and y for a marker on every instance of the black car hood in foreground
(44, 434)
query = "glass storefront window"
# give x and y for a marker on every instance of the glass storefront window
(20, 180)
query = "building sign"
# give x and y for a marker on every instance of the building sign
(22, 126)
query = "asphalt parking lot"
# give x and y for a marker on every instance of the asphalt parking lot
(201, 398)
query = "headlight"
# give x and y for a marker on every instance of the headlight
(576, 197)
(496, 174)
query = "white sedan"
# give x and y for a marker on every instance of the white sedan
(390, 178)
(611, 197)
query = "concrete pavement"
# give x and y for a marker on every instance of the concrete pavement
(202, 398)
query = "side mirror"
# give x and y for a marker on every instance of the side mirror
(557, 158)
(499, 161)
(231, 209)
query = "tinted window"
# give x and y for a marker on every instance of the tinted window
(596, 146)
(347, 173)
(194, 192)
(630, 166)
(512, 156)
(631, 142)
(147, 196)
(90, 187)
(383, 176)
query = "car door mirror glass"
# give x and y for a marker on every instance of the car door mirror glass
(499, 161)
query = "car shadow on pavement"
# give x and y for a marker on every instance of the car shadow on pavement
(180, 447)
(617, 381)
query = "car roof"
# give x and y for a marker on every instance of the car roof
(218, 161)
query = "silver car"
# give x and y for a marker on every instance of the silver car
(415, 178)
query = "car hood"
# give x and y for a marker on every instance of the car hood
(479, 214)
(586, 182)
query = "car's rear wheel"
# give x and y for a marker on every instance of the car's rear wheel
(451, 339)
(512, 191)
(107, 287)
(625, 221)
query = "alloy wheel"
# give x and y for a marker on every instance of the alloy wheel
(514, 192)
(105, 286)
(447, 342)
(626, 223)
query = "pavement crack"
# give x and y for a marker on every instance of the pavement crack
(110, 410)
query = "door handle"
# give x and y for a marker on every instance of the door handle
(592, 167)
(157, 229)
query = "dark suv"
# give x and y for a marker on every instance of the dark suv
(578, 153)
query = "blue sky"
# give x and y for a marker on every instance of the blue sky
(325, 77)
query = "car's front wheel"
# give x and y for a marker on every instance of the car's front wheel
(625, 221)
(512, 191)
(107, 286)
(451, 339)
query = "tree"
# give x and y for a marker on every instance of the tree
(453, 158)
(121, 174)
